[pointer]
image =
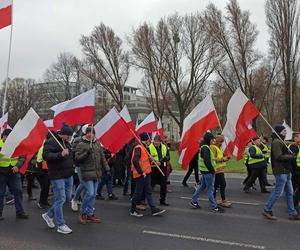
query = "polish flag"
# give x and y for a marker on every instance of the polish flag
(112, 131)
(5, 13)
(148, 125)
(160, 129)
(80, 109)
(127, 118)
(4, 122)
(27, 136)
(49, 124)
(238, 129)
(289, 135)
(202, 118)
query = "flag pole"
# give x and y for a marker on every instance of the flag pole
(8, 61)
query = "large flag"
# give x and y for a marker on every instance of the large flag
(127, 118)
(80, 109)
(5, 13)
(160, 129)
(4, 122)
(202, 118)
(26, 137)
(112, 131)
(49, 124)
(240, 114)
(148, 125)
(289, 135)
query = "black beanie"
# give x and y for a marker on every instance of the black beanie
(208, 137)
(144, 137)
(6, 132)
(279, 128)
(66, 130)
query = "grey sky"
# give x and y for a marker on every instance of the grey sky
(44, 28)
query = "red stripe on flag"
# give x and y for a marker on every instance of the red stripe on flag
(26, 164)
(148, 128)
(5, 17)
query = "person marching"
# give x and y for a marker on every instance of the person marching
(267, 153)
(221, 160)
(207, 166)
(161, 155)
(193, 166)
(141, 173)
(246, 160)
(257, 164)
(281, 160)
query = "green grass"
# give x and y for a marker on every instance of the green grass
(233, 166)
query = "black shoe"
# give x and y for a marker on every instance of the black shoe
(195, 205)
(269, 185)
(294, 217)
(112, 197)
(126, 194)
(100, 197)
(185, 184)
(22, 216)
(163, 203)
(265, 191)
(218, 210)
(269, 215)
(156, 211)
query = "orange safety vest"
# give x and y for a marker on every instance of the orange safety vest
(144, 163)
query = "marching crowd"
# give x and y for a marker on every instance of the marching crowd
(74, 167)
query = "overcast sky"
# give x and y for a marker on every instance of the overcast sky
(44, 28)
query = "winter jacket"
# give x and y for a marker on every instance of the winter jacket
(281, 158)
(59, 167)
(91, 159)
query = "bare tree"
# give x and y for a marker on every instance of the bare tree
(107, 62)
(284, 25)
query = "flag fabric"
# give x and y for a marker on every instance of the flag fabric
(5, 13)
(240, 114)
(127, 118)
(289, 135)
(49, 124)
(112, 131)
(4, 122)
(202, 118)
(26, 137)
(148, 125)
(160, 129)
(80, 109)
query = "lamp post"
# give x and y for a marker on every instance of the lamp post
(291, 92)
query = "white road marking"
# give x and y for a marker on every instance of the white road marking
(234, 202)
(203, 239)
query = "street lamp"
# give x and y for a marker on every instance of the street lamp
(291, 92)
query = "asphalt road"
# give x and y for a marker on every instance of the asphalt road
(181, 227)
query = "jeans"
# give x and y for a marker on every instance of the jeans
(106, 179)
(207, 182)
(142, 184)
(62, 189)
(80, 189)
(88, 202)
(13, 181)
(283, 184)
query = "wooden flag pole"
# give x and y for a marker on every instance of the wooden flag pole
(56, 139)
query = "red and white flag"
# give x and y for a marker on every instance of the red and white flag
(26, 137)
(49, 124)
(238, 129)
(4, 122)
(160, 129)
(148, 125)
(127, 118)
(80, 109)
(5, 13)
(112, 131)
(202, 118)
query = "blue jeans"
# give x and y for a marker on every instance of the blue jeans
(106, 179)
(283, 183)
(88, 203)
(13, 181)
(62, 189)
(207, 182)
(80, 189)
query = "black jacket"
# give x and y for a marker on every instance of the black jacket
(59, 167)
(295, 149)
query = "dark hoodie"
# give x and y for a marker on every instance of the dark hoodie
(205, 153)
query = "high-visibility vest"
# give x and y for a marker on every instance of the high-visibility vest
(154, 153)
(297, 157)
(6, 161)
(144, 162)
(266, 149)
(39, 158)
(201, 163)
(220, 165)
(251, 160)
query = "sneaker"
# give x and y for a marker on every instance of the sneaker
(156, 211)
(10, 201)
(141, 207)
(294, 217)
(195, 204)
(112, 197)
(22, 216)
(225, 203)
(48, 220)
(126, 194)
(163, 203)
(136, 214)
(74, 205)
(93, 219)
(218, 210)
(64, 229)
(269, 215)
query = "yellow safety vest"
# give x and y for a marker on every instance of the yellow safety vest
(251, 160)
(220, 165)
(298, 157)
(154, 153)
(266, 149)
(5, 161)
(246, 156)
(201, 163)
